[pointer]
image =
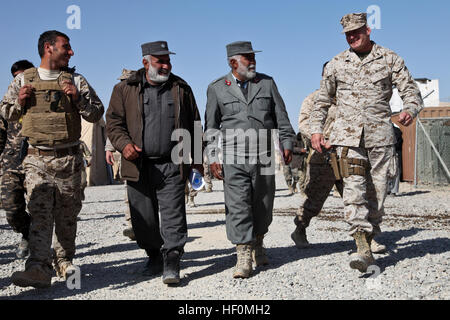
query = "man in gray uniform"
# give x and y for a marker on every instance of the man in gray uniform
(241, 104)
(144, 111)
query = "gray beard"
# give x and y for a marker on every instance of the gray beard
(154, 76)
(245, 72)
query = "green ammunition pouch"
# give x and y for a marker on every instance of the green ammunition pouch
(50, 118)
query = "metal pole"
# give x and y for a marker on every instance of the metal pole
(415, 157)
(435, 149)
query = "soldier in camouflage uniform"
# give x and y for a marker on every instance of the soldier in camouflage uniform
(3, 134)
(12, 190)
(110, 150)
(361, 80)
(299, 163)
(291, 177)
(50, 101)
(320, 178)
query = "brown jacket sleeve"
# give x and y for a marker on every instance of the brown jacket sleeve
(116, 126)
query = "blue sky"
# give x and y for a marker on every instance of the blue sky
(296, 38)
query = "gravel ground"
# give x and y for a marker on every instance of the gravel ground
(416, 230)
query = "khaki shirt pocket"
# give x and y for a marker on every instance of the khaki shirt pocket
(381, 80)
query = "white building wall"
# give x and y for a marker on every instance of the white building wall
(426, 87)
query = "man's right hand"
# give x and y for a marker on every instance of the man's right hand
(24, 93)
(317, 141)
(216, 170)
(109, 158)
(131, 152)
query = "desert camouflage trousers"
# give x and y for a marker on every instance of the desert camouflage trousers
(364, 196)
(12, 193)
(53, 188)
(319, 182)
(207, 173)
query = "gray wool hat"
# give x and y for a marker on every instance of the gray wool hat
(156, 48)
(240, 47)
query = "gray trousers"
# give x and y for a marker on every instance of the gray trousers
(157, 207)
(249, 200)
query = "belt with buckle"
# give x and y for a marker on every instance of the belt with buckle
(57, 153)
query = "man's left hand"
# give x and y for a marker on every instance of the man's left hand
(405, 119)
(70, 89)
(287, 155)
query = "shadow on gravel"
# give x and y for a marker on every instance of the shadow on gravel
(412, 193)
(120, 247)
(206, 224)
(215, 264)
(210, 204)
(110, 216)
(9, 247)
(5, 227)
(104, 201)
(95, 276)
(283, 255)
(410, 249)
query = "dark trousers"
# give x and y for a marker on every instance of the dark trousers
(158, 212)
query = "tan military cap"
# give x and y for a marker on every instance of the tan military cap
(353, 21)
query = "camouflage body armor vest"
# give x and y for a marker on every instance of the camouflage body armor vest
(50, 118)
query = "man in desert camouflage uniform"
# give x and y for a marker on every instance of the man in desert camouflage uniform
(3, 134)
(12, 190)
(291, 176)
(361, 80)
(50, 101)
(320, 178)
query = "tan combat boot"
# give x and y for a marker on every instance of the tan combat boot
(243, 267)
(35, 276)
(363, 257)
(299, 237)
(191, 202)
(129, 232)
(259, 252)
(64, 269)
(208, 188)
(376, 247)
(290, 190)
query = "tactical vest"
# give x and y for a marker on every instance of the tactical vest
(50, 117)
